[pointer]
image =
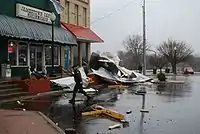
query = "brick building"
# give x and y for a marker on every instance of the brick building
(76, 18)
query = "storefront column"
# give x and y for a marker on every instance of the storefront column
(88, 51)
(43, 58)
(80, 53)
(28, 58)
(71, 56)
(62, 55)
(17, 53)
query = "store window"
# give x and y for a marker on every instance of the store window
(23, 54)
(48, 55)
(12, 52)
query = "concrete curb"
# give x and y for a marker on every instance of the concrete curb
(51, 123)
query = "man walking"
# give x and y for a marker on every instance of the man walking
(78, 86)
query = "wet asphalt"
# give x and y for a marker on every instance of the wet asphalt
(173, 109)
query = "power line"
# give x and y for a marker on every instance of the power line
(110, 14)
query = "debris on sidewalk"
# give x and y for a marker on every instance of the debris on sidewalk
(93, 113)
(129, 112)
(99, 110)
(125, 123)
(144, 111)
(20, 109)
(18, 102)
(115, 126)
(118, 86)
(90, 91)
(70, 131)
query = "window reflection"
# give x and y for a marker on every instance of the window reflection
(12, 52)
(23, 54)
(48, 55)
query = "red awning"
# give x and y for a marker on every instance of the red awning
(82, 33)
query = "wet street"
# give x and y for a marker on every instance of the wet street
(173, 109)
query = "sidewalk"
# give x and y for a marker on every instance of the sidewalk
(52, 93)
(26, 122)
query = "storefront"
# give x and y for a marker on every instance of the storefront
(84, 36)
(26, 39)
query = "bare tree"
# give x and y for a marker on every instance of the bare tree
(120, 54)
(175, 52)
(134, 44)
(158, 61)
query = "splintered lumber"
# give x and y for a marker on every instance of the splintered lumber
(99, 110)
(93, 113)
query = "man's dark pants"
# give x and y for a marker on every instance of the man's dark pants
(78, 87)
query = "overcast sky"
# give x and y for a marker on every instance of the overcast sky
(178, 19)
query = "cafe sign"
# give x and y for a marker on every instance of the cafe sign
(32, 13)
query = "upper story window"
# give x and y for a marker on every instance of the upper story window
(86, 1)
(67, 13)
(76, 18)
(85, 16)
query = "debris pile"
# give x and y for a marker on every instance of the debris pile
(104, 69)
(107, 68)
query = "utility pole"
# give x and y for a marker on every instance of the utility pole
(144, 38)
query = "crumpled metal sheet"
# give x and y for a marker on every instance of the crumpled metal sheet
(103, 73)
(120, 74)
(108, 76)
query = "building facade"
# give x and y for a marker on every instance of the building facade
(76, 18)
(26, 37)
(76, 12)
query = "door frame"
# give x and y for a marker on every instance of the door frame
(37, 45)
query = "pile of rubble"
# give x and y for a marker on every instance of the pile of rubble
(104, 69)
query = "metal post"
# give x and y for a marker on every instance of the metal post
(61, 72)
(144, 40)
(143, 101)
(52, 46)
(175, 62)
(61, 54)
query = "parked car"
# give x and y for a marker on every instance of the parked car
(188, 70)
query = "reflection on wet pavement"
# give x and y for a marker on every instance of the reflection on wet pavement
(172, 109)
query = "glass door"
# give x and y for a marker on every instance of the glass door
(36, 58)
(39, 58)
(32, 57)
